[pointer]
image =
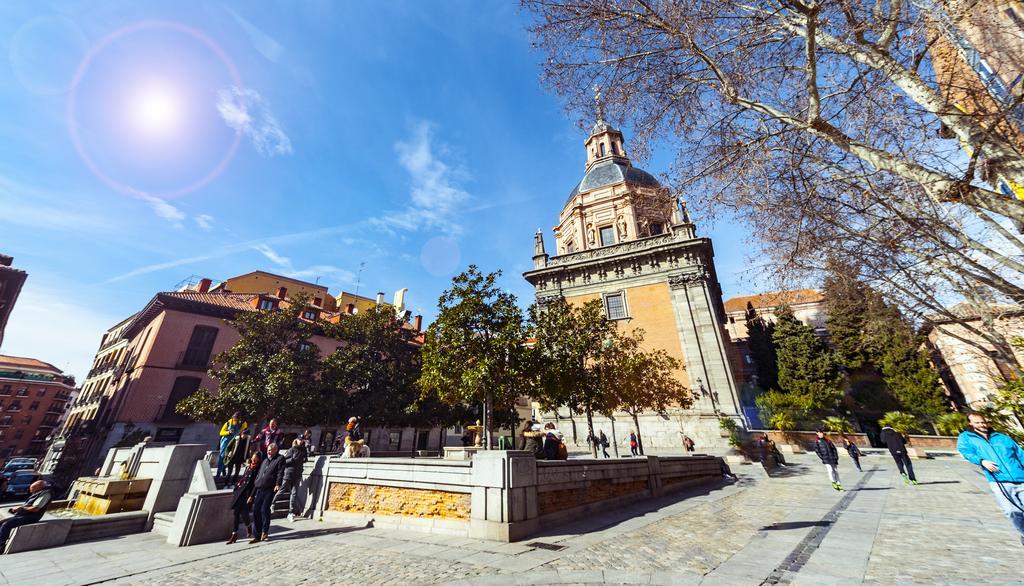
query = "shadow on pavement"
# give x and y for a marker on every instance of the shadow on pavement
(293, 533)
(939, 482)
(795, 525)
(601, 521)
(789, 470)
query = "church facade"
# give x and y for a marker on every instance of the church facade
(623, 239)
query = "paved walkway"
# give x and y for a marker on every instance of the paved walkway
(792, 529)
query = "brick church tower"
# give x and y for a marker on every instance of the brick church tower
(623, 239)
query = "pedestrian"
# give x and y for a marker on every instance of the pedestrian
(28, 513)
(307, 439)
(829, 456)
(269, 477)
(688, 443)
(527, 427)
(238, 451)
(1002, 462)
(297, 456)
(897, 445)
(633, 444)
(854, 451)
(271, 435)
(467, 439)
(242, 501)
(231, 428)
(602, 440)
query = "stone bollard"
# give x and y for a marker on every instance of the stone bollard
(503, 505)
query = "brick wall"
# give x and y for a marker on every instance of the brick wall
(391, 500)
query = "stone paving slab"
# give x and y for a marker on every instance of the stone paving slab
(792, 529)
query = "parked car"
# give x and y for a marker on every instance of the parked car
(18, 483)
(16, 465)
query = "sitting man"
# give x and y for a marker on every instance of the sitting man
(30, 512)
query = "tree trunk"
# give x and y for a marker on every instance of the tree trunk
(639, 439)
(615, 440)
(486, 424)
(575, 438)
(590, 430)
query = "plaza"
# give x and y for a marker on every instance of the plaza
(788, 529)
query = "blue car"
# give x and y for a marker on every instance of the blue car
(18, 483)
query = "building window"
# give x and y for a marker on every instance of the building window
(317, 301)
(6, 390)
(615, 306)
(607, 236)
(570, 247)
(266, 304)
(41, 392)
(200, 347)
(34, 406)
(310, 315)
(655, 228)
(23, 392)
(183, 387)
(15, 406)
(26, 420)
(602, 149)
(394, 440)
(615, 149)
(5, 421)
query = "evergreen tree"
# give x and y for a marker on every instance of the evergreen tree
(762, 349)
(808, 368)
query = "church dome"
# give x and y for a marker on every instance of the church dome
(611, 172)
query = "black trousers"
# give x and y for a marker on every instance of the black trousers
(241, 518)
(633, 450)
(262, 502)
(903, 463)
(10, 524)
(856, 462)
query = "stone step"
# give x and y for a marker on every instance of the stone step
(162, 523)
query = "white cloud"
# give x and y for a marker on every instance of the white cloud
(273, 256)
(205, 221)
(39, 328)
(165, 210)
(247, 112)
(323, 272)
(435, 197)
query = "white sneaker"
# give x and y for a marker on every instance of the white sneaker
(291, 517)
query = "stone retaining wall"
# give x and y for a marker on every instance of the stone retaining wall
(499, 495)
(806, 439)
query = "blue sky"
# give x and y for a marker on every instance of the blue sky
(142, 143)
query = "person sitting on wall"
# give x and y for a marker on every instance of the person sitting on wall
(355, 443)
(28, 513)
(231, 428)
(238, 451)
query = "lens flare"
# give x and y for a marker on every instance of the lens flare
(157, 113)
(155, 110)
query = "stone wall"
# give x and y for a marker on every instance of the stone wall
(388, 500)
(807, 438)
(499, 495)
(660, 433)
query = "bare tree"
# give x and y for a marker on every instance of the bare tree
(818, 123)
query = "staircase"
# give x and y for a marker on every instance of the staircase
(162, 523)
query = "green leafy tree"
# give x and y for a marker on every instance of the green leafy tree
(904, 423)
(374, 372)
(783, 411)
(911, 378)
(636, 381)
(272, 371)
(807, 367)
(571, 340)
(951, 423)
(474, 352)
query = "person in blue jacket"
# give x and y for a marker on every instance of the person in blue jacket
(1002, 461)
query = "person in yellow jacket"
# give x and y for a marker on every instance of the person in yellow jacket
(228, 431)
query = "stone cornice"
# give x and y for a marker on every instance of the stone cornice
(681, 235)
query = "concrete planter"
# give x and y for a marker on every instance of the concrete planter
(791, 449)
(917, 453)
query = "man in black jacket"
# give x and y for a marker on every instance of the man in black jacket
(897, 445)
(268, 482)
(829, 456)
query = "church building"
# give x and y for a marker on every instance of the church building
(623, 239)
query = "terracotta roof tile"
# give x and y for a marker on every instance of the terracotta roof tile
(19, 362)
(774, 299)
(239, 301)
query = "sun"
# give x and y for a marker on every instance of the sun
(156, 110)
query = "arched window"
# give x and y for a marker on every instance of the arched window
(602, 149)
(615, 148)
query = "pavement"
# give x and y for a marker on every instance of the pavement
(792, 528)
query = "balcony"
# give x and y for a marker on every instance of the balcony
(103, 368)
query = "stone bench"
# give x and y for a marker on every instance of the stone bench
(48, 532)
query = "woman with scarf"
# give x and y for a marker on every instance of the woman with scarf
(243, 498)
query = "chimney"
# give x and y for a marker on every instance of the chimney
(204, 285)
(380, 298)
(418, 322)
(6, 260)
(281, 292)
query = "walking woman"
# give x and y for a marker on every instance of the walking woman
(242, 501)
(854, 451)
